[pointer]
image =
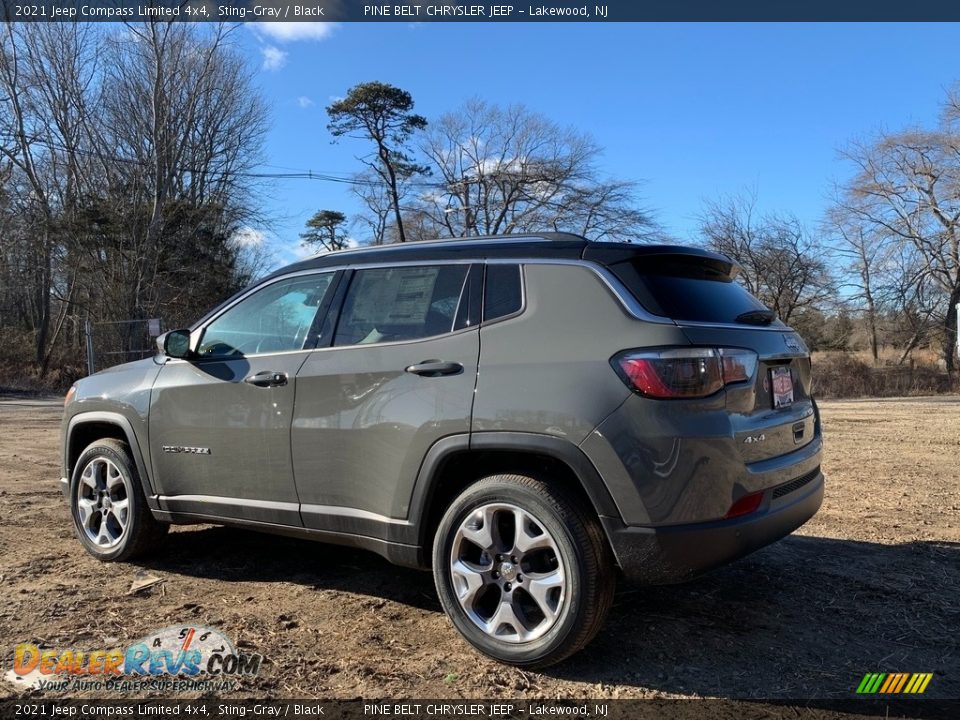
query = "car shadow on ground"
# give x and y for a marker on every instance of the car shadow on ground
(236, 555)
(804, 618)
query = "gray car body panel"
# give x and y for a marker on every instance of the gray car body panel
(118, 396)
(247, 472)
(351, 448)
(363, 425)
(547, 370)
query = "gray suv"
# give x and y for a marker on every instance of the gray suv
(529, 416)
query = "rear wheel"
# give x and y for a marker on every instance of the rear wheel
(525, 576)
(110, 513)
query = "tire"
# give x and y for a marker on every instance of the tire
(530, 598)
(107, 505)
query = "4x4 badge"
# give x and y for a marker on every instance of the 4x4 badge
(792, 343)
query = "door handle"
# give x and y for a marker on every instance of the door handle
(435, 368)
(267, 378)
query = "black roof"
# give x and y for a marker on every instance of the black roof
(547, 245)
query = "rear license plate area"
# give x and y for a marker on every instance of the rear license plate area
(781, 387)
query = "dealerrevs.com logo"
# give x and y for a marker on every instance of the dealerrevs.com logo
(172, 658)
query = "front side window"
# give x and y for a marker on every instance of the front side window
(277, 318)
(401, 303)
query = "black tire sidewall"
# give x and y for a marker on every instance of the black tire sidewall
(114, 452)
(555, 641)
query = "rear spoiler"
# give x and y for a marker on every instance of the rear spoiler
(680, 260)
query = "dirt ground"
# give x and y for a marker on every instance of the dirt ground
(871, 584)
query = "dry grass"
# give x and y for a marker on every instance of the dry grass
(854, 374)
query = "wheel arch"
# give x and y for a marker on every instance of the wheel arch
(457, 461)
(88, 427)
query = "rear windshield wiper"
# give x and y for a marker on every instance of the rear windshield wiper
(756, 317)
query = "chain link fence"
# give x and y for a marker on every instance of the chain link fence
(119, 341)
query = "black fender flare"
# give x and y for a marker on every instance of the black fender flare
(549, 445)
(111, 418)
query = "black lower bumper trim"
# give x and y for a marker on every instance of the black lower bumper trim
(676, 553)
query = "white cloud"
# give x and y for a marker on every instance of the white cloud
(247, 237)
(292, 31)
(304, 102)
(273, 58)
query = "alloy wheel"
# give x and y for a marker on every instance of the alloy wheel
(103, 503)
(507, 573)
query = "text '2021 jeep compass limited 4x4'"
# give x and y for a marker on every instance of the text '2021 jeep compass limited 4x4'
(530, 416)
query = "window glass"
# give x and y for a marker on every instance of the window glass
(687, 291)
(402, 303)
(502, 295)
(275, 319)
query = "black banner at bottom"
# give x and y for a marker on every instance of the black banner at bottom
(216, 709)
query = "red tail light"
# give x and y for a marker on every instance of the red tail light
(745, 505)
(684, 372)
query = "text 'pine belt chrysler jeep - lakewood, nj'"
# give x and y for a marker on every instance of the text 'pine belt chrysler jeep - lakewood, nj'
(529, 416)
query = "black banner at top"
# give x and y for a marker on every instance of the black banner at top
(407, 11)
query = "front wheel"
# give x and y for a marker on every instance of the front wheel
(524, 575)
(110, 513)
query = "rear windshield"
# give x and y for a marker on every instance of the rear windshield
(686, 292)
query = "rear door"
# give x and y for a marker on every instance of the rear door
(398, 375)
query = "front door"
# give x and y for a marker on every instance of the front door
(220, 423)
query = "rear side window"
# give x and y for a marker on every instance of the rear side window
(682, 291)
(402, 303)
(502, 294)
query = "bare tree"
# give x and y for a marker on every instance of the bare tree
(375, 195)
(906, 191)
(781, 262)
(870, 270)
(44, 72)
(121, 185)
(186, 150)
(505, 170)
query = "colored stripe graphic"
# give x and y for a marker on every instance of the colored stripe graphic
(903, 681)
(894, 683)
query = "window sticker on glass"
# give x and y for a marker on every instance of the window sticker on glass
(397, 298)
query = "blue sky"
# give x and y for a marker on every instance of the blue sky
(694, 111)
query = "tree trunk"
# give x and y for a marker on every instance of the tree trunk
(872, 323)
(910, 346)
(43, 305)
(950, 330)
(394, 193)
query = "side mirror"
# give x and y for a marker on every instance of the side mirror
(175, 344)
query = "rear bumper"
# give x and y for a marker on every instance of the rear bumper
(676, 553)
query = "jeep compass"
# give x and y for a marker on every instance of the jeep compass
(530, 416)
